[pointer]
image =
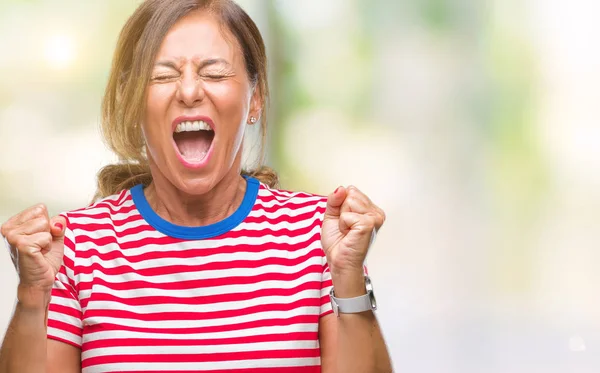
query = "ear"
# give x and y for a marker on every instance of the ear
(256, 104)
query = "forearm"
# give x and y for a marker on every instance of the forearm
(361, 347)
(24, 346)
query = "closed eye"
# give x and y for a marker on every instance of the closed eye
(214, 76)
(162, 78)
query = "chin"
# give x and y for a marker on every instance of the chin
(195, 185)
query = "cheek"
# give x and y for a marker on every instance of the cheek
(229, 98)
(157, 103)
(231, 104)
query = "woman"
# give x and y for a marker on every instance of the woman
(185, 262)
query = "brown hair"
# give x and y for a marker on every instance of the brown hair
(125, 96)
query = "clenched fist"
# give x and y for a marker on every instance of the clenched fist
(350, 223)
(36, 246)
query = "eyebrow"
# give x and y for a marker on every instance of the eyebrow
(205, 63)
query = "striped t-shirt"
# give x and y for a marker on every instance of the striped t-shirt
(139, 294)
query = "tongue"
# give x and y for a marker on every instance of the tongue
(193, 146)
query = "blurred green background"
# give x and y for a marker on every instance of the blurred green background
(474, 124)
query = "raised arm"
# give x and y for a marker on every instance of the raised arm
(351, 342)
(36, 248)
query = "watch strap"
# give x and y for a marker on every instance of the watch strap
(353, 305)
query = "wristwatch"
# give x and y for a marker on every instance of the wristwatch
(359, 304)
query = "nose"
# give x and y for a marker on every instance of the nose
(190, 91)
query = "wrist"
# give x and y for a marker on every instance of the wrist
(349, 284)
(33, 298)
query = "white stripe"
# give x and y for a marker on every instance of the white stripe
(211, 365)
(269, 192)
(58, 333)
(222, 321)
(205, 274)
(209, 259)
(115, 205)
(132, 237)
(207, 291)
(208, 245)
(109, 221)
(291, 203)
(115, 216)
(244, 240)
(285, 211)
(277, 329)
(209, 307)
(68, 319)
(198, 349)
(67, 302)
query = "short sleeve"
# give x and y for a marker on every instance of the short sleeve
(64, 314)
(326, 286)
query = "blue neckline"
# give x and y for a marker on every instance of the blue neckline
(196, 233)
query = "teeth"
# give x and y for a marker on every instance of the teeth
(192, 126)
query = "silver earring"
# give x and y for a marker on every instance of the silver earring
(252, 120)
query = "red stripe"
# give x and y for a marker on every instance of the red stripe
(305, 369)
(106, 215)
(201, 283)
(193, 252)
(70, 311)
(292, 219)
(196, 252)
(275, 207)
(197, 358)
(207, 299)
(166, 240)
(193, 316)
(141, 342)
(64, 327)
(55, 338)
(285, 322)
(104, 212)
(180, 269)
(288, 194)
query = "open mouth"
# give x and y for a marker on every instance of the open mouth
(193, 140)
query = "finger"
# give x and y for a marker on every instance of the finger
(12, 251)
(334, 203)
(35, 225)
(356, 201)
(33, 243)
(33, 212)
(361, 223)
(57, 226)
(17, 236)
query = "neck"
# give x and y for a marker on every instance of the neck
(183, 209)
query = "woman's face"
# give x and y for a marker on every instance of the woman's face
(199, 100)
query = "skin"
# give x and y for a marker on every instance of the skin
(199, 70)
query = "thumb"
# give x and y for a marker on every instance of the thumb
(57, 227)
(334, 203)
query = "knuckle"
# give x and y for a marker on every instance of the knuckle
(4, 229)
(39, 209)
(20, 243)
(382, 215)
(369, 221)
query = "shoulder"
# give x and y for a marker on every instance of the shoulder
(272, 197)
(107, 207)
